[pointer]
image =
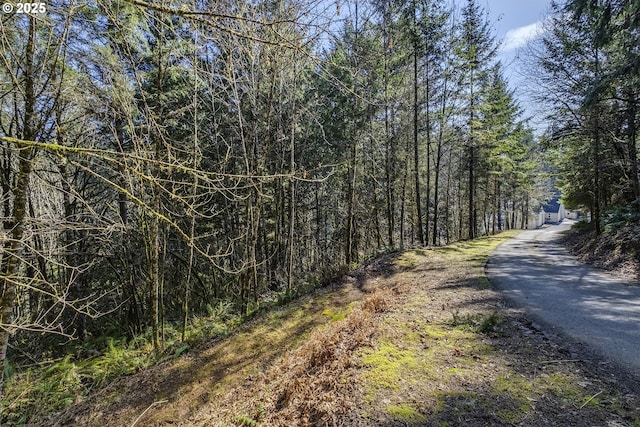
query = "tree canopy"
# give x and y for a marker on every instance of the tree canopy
(162, 159)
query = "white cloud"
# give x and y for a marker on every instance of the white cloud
(519, 37)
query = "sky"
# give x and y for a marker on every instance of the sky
(515, 22)
(514, 18)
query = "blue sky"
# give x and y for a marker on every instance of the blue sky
(515, 22)
(515, 16)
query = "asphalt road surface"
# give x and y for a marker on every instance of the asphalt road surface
(588, 305)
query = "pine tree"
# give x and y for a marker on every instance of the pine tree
(476, 52)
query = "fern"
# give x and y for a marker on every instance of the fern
(334, 316)
(245, 421)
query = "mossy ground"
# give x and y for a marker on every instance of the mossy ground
(417, 338)
(451, 353)
(177, 388)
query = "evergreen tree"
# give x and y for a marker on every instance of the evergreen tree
(476, 52)
(594, 100)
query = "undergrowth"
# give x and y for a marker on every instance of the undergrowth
(477, 323)
(617, 248)
(43, 389)
(311, 385)
(416, 351)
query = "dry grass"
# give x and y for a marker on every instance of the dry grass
(449, 353)
(309, 385)
(312, 385)
(417, 338)
(223, 373)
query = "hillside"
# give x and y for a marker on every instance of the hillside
(617, 249)
(413, 338)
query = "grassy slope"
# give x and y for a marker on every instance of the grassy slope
(617, 249)
(418, 338)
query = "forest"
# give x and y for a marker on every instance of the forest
(163, 162)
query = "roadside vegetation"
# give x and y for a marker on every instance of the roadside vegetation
(453, 354)
(159, 159)
(411, 338)
(49, 386)
(616, 248)
(176, 180)
(585, 66)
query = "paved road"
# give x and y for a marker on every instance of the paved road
(588, 305)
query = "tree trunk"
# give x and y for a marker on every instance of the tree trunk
(351, 199)
(472, 163)
(416, 157)
(389, 155)
(403, 199)
(595, 147)
(472, 190)
(292, 209)
(436, 186)
(632, 149)
(436, 189)
(190, 210)
(20, 194)
(154, 270)
(499, 199)
(12, 265)
(428, 143)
